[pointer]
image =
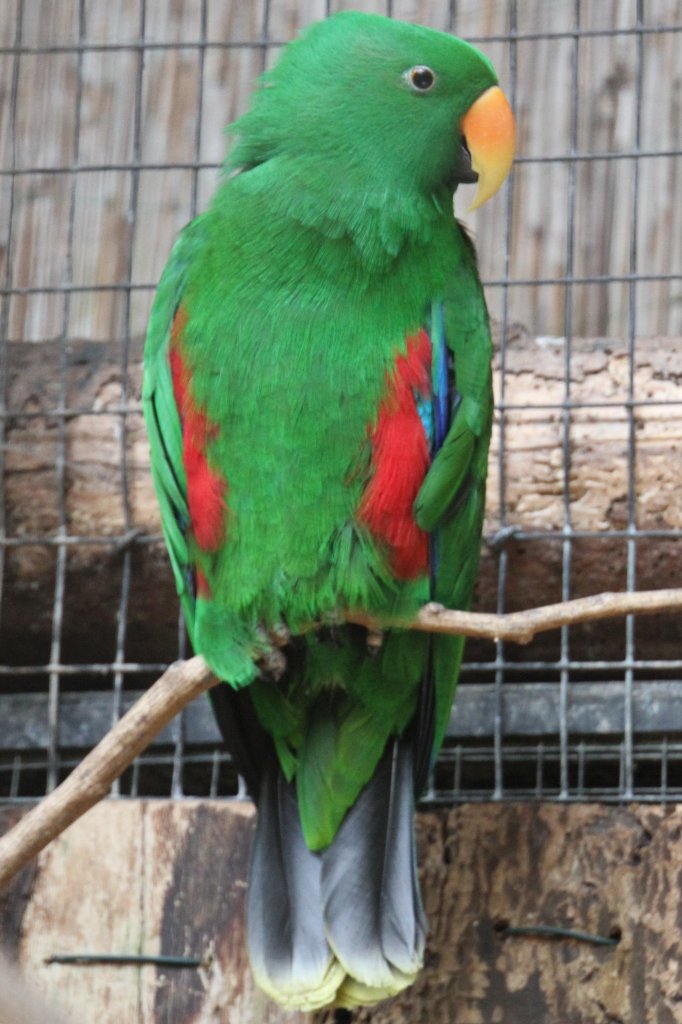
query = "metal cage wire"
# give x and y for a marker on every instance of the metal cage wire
(560, 725)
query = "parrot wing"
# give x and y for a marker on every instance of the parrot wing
(164, 425)
(246, 739)
(451, 501)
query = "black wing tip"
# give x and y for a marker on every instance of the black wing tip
(245, 738)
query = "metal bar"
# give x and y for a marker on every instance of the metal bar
(566, 417)
(487, 667)
(119, 657)
(117, 541)
(5, 299)
(135, 408)
(265, 35)
(15, 777)
(628, 727)
(576, 665)
(493, 540)
(60, 577)
(502, 486)
(512, 282)
(515, 534)
(96, 668)
(122, 614)
(201, 165)
(124, 960)
(179, 753)
(529, 710)
(475, 761)
(524, 282)
(545, 931)
(260, 44)
(600, 751)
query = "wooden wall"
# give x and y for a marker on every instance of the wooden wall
(124, 224)
(157, 877)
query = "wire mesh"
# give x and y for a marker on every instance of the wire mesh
(111, 138)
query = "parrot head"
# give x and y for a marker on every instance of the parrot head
(389, 103)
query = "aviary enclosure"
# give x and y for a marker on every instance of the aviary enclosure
(555, 801)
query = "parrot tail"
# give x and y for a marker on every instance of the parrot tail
(290, 957)
(344, 926)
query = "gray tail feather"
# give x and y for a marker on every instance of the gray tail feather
(373, 915)
(345, 926)
(290, 956)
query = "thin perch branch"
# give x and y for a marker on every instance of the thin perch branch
(91, 780)
(184, 681)
(521, 627)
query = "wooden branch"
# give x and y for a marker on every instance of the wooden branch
(521, 627)
(92, 779)
(184, 681)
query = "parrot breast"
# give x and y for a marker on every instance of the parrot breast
(206, 488)
(400, 460)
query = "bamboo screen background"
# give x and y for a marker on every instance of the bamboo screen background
(111, 137)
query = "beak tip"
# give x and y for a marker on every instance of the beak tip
(489, 129)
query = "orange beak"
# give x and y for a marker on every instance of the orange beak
(489, 129)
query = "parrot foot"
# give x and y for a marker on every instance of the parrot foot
(273, 663)
(374, 641)
(272, 660)
(279, 635)
(434, 608)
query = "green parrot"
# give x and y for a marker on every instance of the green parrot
(318, 398)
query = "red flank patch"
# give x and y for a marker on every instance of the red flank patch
(400, 460)
(206, 488)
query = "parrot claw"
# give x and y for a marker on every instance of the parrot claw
(271, 659)
(279, 635)
(273, 663)
(374, 641)
(434, 608)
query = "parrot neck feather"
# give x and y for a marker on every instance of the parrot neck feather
(379, 217)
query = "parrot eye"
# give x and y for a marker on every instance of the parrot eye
(420, 78)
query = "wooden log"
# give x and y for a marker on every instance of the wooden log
(534, 392)
(530, 435)
(159, 877)
(530, 711)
